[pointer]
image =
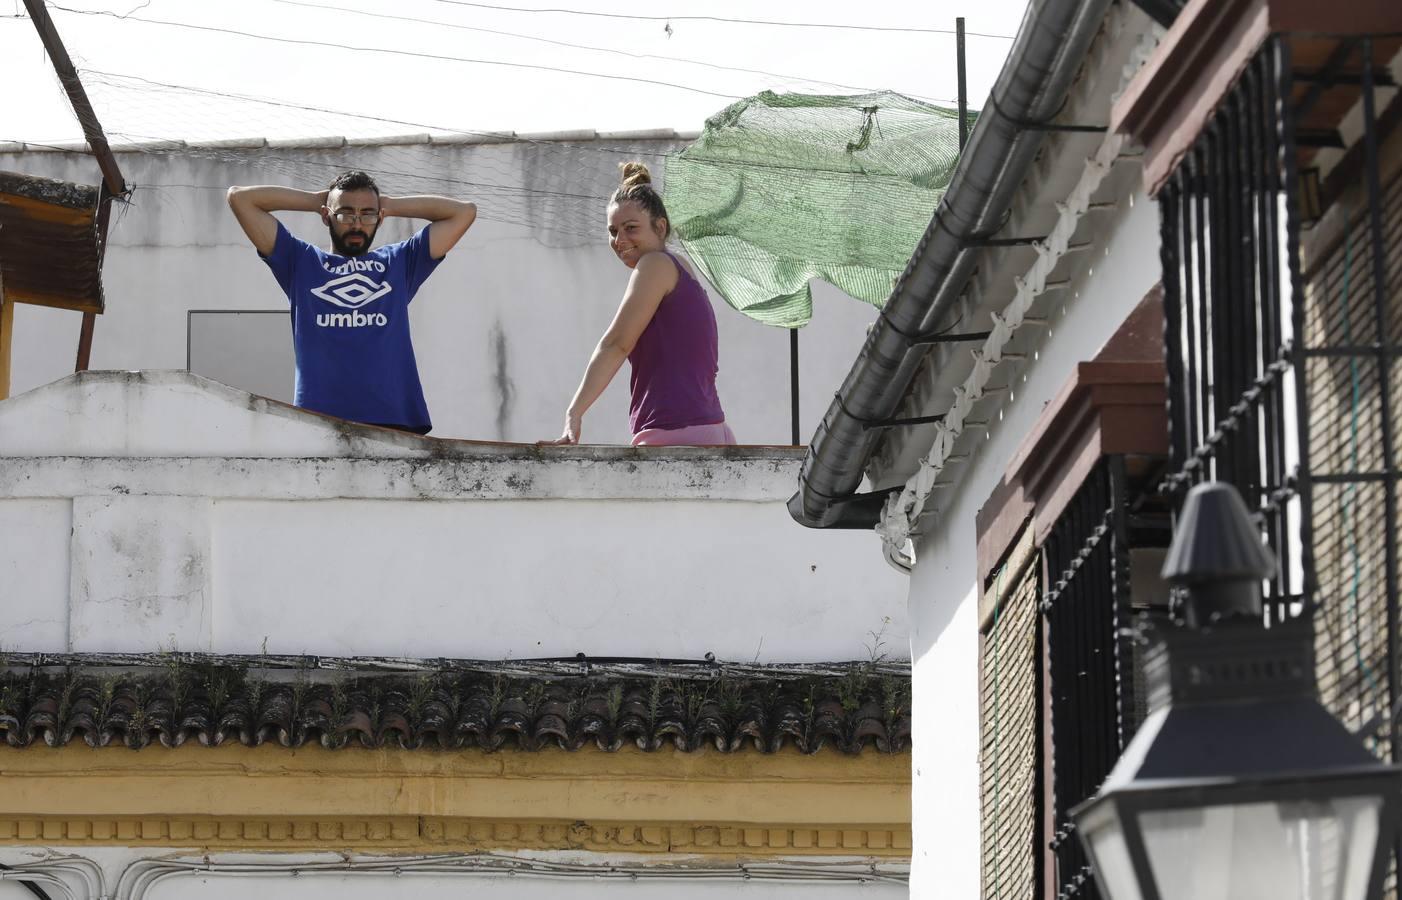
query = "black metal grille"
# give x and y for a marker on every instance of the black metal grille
(1286, 382)
(1230, 253)
(1353, 334)
(1086, 609)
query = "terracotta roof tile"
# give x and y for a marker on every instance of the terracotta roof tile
(450, 711)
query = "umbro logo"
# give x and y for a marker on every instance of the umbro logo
(352, 291)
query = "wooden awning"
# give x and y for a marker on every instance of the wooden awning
(49, 243)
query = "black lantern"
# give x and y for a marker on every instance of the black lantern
(1239, 785)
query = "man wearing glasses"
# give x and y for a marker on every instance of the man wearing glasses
(350, 307)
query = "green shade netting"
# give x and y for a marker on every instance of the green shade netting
(783, 188)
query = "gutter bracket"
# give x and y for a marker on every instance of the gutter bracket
(1031, 125)
(868, 424)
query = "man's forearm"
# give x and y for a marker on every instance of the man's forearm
(274, 198)
(434, 209)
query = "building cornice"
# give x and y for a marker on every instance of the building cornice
(233, 798)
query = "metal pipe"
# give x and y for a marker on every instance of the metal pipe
(1049, 50)
(1385, 427)
(89, 871)
(793, 386)
(963, 83)
(141, 876)
(1283, 87)
(31, 881)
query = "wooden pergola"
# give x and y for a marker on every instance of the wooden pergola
(50, 252)
(53, 233)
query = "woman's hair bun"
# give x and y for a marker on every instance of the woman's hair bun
(634, 174)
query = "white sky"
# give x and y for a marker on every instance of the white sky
(352, 77)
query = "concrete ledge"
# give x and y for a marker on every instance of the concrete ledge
(181, 414)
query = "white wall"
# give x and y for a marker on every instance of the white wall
(944, 587)
(577, 875)
(151, 510)
(502, 330)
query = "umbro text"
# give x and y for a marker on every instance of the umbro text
(351, 319)
(354, 265)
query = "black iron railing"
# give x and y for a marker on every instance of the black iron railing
(1230, 250)
(1283, 350)
(1086, 609)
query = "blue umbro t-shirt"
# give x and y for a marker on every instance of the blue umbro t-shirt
(350, 328)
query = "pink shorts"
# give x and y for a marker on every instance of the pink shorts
(690, 436)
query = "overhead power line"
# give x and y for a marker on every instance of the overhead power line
(530, 37)
(722, 19)
(417, 55)
(302, 107)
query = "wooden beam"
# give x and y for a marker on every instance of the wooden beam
(77, 96)
(113, 181)
(7, 328)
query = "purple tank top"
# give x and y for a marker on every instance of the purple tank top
(674, 361)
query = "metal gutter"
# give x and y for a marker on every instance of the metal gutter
(1051, 45)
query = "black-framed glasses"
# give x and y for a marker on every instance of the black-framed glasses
(346, 217)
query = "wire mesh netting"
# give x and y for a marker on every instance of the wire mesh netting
(784, 188)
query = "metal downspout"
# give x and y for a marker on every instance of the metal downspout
(1051, 45)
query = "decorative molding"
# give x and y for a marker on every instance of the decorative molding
(408, 833)
(664, 802)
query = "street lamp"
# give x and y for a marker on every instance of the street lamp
(1239, 785)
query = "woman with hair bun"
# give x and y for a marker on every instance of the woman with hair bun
(664, 327)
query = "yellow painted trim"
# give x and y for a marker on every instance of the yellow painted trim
(744, 804)
(437, 834)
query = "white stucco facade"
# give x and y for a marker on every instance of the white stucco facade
(502, 329)
(944, 585)
(157, 510)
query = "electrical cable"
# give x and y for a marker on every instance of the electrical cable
(409, 53)
(528, 37)
(611, 151)
(726, 20)
(28, 885)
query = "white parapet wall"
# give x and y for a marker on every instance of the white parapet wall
(502, 330)
(157, 510)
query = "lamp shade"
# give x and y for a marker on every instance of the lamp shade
(1312, 838)
(1239, 785)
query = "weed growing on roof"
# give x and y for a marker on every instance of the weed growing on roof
(106, 694)
(730, 698)
(535, 695)
(695, 696)
(895, 700)
(177, 675)
(498, 693)
(69, 684)
(615, 703)
(654, 702)
(340, 704)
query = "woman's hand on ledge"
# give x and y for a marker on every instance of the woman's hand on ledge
(573, 423)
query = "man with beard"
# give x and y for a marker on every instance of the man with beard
(350, 307)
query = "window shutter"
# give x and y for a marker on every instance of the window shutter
(1009, 703)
